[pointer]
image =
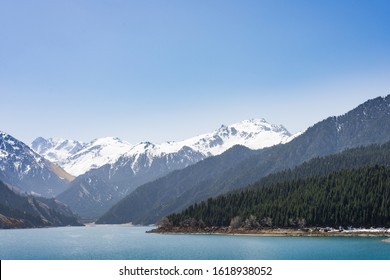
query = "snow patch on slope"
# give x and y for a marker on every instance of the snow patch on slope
(96, 154)
(56, 150)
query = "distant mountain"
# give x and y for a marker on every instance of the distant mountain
(17, 211)
(367, 124)
(78, 158)
(56, 150)
(26, 171)
(97, 190)
(253, 134)
(89, 195)
(201, 174)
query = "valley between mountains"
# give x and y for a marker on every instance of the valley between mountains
(249, 174)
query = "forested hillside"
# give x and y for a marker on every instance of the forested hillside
(355, 197)
(352, 158)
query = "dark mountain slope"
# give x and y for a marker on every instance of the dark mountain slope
(89, 195)
(17, 211)
(367, 124)
(201, 173)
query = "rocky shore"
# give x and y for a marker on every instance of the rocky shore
(278, 231)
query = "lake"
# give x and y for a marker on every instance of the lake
(130, 243)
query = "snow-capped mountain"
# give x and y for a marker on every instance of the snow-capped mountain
(254, 134)
(26, 171)
(56, 149)
(95, 154)
(78, 158)
(146, 162)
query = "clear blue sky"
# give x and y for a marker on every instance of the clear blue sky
(168, 70)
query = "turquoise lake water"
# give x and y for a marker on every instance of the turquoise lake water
(127, 243)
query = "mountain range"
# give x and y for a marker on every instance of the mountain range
(367, 124)
(92, 177)
(121, 182)
(78, 158)
(94, 192)
(56, 150)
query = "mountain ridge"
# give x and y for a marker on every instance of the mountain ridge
(145, 162)
(26, 211)
(23, 169)
(368, 123)
(78, 158)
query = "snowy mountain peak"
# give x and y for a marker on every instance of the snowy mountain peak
(77, 157)
(258, 125)
(106, 141)
(10, 147)
(56, 150)
(252, 133)
(21, 167)
(95, 154)
(146, 144)
(2, 134)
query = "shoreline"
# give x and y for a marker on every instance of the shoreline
(279, 232)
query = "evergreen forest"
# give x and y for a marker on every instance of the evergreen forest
(356, 197)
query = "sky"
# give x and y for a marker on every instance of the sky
(169, 70)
